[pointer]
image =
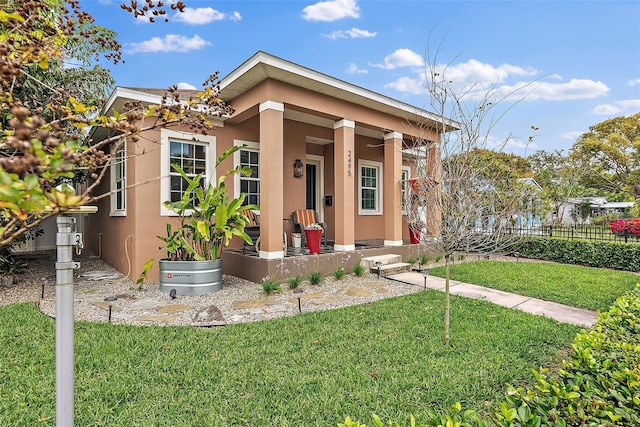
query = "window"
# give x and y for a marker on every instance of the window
(118, 182)
(249, 155)
(191, 157)
(193, 153)
(405, 175)
(370, 188)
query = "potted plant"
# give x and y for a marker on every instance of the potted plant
(9, 266)
(208, 219)
(415, 228)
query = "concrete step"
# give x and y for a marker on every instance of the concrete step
(395, 268)
(370, 262)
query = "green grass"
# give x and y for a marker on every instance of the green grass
(584, 287)
(313, 369)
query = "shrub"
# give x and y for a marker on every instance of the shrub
(314, 277)
(359, 269)
(411, 260)
(616, 255)
(424, 259)
(339, 273)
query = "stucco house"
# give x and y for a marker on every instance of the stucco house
(349, 139)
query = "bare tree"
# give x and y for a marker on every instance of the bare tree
(465, 203)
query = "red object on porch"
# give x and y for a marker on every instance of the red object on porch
(414, 235)
(313, 240)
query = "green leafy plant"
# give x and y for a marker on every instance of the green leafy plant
(314, 277)
(339, 273)
(438, 258)
(424, 259)
(411, 260)
(270, 286)
(359, 270)
(208, 218)
(294, 281)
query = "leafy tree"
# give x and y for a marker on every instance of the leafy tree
(44, 136)
(609, 153)
(560, 179)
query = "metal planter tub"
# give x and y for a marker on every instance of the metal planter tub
(190, 277)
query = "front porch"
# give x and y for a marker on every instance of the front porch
(250, 266)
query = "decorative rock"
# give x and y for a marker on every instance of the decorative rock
(210, 316)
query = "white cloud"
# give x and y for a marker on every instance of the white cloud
(331, 10)
(170, 43)
(408, 84)
(354, 33)
(633, 82)
(572, 135)
(479, 74)
(401, 58)
(626, 107)
(185, 85)
(353, 69)
(204, 15)
(571, 90)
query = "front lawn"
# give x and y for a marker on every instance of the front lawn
(584, 287)
(313, 369)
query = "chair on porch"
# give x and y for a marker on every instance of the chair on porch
(252, 229)
(303, 217)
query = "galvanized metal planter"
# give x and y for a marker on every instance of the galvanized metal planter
(190, 277)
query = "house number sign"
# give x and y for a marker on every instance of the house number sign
(349, 163)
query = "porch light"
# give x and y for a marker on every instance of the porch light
(298, 168)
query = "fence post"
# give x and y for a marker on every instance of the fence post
(551, 231)
(626, 235)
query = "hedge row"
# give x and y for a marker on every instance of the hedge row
(619, 256)
(599, 386)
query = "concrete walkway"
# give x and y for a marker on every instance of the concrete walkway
(560, 312)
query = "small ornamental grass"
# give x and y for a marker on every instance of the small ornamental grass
(339, 273)
(359, 270)
(270, 287)
(294, 281)
(314, 277)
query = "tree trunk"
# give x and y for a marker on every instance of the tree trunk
(446, 300)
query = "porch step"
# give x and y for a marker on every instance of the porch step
(370, 262)
(389, 264)
(396, 267)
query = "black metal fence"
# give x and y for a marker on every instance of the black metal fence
(582, 232)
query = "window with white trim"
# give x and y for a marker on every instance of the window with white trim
(118, 174)
(249, 155)
(370, 188)
(193, 153)
(191, 157)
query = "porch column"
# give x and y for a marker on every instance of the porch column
(344, 181)
(434, 203)
(392, 189)
(271, 179)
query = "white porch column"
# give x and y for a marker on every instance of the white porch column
(271, 179)
(392, 189)
(344, 181)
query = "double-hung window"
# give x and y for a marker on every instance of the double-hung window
(118, 182)
(370, 188)
(189, 156)
(249, 155)
(194, 154)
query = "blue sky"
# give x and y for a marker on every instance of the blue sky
(583, 57)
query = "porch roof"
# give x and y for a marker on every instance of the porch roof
(262, 66)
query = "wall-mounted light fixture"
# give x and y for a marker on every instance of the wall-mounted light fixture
(298, 170)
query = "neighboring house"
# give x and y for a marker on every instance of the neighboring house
(599, 206)
(529, 217)
(349, 139)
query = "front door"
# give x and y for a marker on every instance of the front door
(315, 184)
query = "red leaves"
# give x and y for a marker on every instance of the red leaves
(625, 226)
